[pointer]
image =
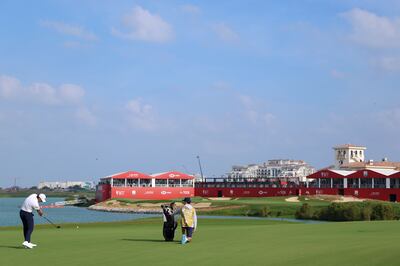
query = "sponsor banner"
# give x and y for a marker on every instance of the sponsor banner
(152, 193)
(245, 192)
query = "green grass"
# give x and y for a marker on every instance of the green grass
(217, 242)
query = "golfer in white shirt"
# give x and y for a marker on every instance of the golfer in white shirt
(30, 204)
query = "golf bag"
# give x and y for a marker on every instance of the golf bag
(169, 225)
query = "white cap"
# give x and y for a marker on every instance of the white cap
(42, 197)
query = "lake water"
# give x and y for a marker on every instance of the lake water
(9, 214)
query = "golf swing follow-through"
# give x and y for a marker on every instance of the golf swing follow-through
(56, 226)
(30, 204)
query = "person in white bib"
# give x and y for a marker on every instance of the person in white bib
(30, 204)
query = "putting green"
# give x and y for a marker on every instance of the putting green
(217, 242)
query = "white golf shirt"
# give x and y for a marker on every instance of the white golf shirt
(31, 203)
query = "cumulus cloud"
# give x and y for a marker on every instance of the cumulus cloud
(40, 92)
(142, 25)
(71, 30)
(85, 116)
(71, 93)
(43, 93)
(373, 30)
(225, 33)
(9, 87)
(141, 115)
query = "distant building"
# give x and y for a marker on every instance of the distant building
(66, 184)
(295, 170)
(352, 157)
(348, 153)
(353, 175)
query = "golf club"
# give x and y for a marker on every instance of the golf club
(57, 226)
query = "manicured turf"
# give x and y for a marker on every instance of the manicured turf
(217, 242)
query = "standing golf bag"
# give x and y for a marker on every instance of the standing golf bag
(169, 225)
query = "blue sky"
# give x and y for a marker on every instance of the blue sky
(90, 88)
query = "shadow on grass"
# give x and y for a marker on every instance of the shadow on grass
(148, 240)
(13, 247)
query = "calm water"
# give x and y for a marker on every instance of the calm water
(9, 214)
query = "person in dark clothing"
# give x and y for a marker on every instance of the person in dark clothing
(170, 224)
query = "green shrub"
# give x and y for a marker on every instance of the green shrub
(305, 212)
(356, 212)
(352, 212)
(382, 212)
(265, 211)
(366, 213)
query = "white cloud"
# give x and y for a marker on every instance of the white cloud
(71, 93)
(71, 30)
(85, 116)
(43, 93)
(191, 9)
(145, 26)
(141, 115)
(372, 30)
(225, 33)
(40, 92)
(9, 87)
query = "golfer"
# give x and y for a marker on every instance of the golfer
(26, 213)
(188, 221)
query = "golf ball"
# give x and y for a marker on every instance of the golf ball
(77, 227)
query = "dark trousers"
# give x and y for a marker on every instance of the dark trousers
(27, 221)
(169, 231)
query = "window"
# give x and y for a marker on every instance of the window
(161, 182)
(325, 182)
(187, 182)
(379, 182)
(173, 183)
(118, 182)
(132, 182)
(366, 183)
(394, 183)
(352, 182)
(105, 182)
(337, 182)
(145, 182)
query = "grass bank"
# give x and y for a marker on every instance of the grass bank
(262, 207)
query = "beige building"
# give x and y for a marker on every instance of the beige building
(348, 153)
(352, 157)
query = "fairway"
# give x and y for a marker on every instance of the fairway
(217, 242)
